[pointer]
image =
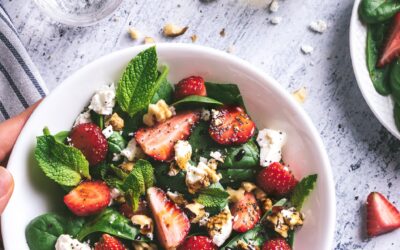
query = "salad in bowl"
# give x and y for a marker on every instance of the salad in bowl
(151, 165)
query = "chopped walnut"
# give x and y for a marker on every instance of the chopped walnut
(193, 38)
(195, 211)
(249, 186)
(158, 112)
(134, 33)
(300, 95)
(235, 195)
(260, 194)
(144, 222)
(219, 226)
(266, 204)
(285, 220)
(116, 122)
(140, 245)
(177, 198)
(201, 176)
(148, 40)
(173, 169)
(127, 166)
(242, 245)
(172, 30)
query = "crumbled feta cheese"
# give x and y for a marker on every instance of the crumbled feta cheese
(83, 117)
(203, 160)
(195, 212)
(274, 7)
(132, 151)
(307, 49)
(271, 143)
(158, 112)
(115, 193)
(276, 20)
(219, 227)
(319, 26)
(201, 176)
(103, 100)
(203, 221)
(66, 242)
(205, 114)
(177, 198)
(183, 153)
(116, 157)
(217, 156)
(107, 132)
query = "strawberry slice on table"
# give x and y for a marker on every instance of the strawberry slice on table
(382, 216)
(89, 139)
(158, 141)
(198, 243)
(172, 223)
(276, 180)
(193, 85)
(246, 213)
(392, 48)
(276, 244)
(230, 125)
(88, 198)
(107, 242)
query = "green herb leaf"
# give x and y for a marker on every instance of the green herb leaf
(279, 203)
(147, 171)
(303, 190)
(138, 83)
(375, 11)
(116, 143)
(197, 99)
(110, 222)
(165, 91)
(61, 136)
(255, 237)
(63, 164)
(174, 183)
(236, 176)
(226, 93)
(214, 198)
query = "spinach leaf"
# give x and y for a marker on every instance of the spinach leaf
(303, 190)
(138, 83)
(375, 41)
(110, 222)
(279, 203)
(116, 143)
(290, 238)
(197, 100)
(228, 94)
(165, 91)
(395, 80)
(63, 164)
(236, 176)
(174, 183)
(255, 236)
(43, 231)
(375, 11)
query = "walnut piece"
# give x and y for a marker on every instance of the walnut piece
(177, 198)
(300, 95)
(148, 40)
(158, 112)
(134, 33)
(195, 211)
(235, 195)
(116, 122)
(172, 30)
(144, 222)
(140, 245)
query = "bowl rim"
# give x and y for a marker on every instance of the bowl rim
(355, 20)
(326, 167)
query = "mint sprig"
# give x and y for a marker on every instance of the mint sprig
(214, 198)
(303, 190)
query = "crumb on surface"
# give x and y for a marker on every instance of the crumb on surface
(300, 95)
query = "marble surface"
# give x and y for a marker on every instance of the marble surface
(363, 154)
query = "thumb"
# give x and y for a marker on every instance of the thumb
(6, 188)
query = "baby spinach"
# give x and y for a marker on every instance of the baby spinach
(375, 11)
(63, 164)
(195, 99)
(228, 94)
(43, 231)
(375, 41)
(303, 190)
(116, 143)
(166, 182)
(255, 236)
(165, 91)
(395, 80)
(110, 222)
(236, 176)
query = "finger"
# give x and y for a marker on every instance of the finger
(10, 129)
(6, 188)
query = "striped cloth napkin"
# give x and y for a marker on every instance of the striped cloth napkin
(20, 82)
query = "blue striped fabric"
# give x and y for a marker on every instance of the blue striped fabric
(20, 81)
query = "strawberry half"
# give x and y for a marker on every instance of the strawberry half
(382, 216)
(276, 180)
(276, 244)
(107, 242)
(193, 85)
(172, 223)
(89, 139)
(198, 243)
(392, 48)
(158, 141)
(246, 213)
(88, 198)
(230, 125)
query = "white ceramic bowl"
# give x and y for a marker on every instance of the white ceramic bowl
(381, 106)
(269, 105)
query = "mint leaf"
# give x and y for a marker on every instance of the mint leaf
(198, 99)
(165, 91)
(214, 198)
(63, 164)
(147, 171)
(138, 83)
(303, 190)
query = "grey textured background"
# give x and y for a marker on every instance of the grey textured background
(363, 154)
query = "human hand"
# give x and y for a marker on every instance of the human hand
(9, 131)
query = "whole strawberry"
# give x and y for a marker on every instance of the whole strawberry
(107, 242)
(193, 85)
(276, 244)
(198, 243)
(89, 139)
(276, 180)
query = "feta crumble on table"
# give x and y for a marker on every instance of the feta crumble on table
(66, 242)
(107, 132)
(132, 151)
(217, 156)
(271, 143)
(274, 7)
(319, 26)
(82, 118)
(103, 101)
(276, 20)
(307, 49)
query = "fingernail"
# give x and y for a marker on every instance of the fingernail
(6, 187)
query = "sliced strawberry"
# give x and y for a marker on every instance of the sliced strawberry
(392, 48)
(276, 244)
(246, 213)
(172, 223)
(89, 197)
(276, 180)
(193, 85)
(158, 141)
(198, 243)
(89, 139)
(107, 242)
(382, 216)
(231, 126)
